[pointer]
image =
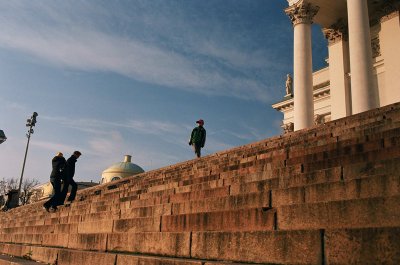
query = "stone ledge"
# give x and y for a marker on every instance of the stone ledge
(7, 260)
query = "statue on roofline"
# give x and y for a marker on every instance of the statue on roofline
(288, 127)
(289, 85)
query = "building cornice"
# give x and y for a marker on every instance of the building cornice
(320, 91)
(389, 9)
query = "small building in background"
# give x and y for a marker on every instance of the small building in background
(45, 190)
(121, 170)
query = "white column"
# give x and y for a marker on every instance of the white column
(301, 15)
(339, 68)
(389, 47)
(364, 93)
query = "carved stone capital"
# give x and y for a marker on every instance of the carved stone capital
(301, 12)
(336, 32)
(332, 35)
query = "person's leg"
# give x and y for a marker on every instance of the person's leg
(50, 202)
(57, 192)
(63, 193)
(74, 188)
(197, 149)
(194, 147)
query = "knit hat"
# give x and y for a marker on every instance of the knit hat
(200, 122)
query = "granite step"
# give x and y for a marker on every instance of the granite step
(340, 190)
(357, 213)
(236, 202)
(47, 255)
(8, 260)
(235, 220)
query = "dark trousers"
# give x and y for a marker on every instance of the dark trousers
(197, 149)
(74, 188)
(56, 183)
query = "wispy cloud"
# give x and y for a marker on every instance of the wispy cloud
(97, 126)
(12, 106)
(54, 36)
(53, 147)
(111, 144)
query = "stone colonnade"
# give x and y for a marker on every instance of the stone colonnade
(301, 16)
(364, 94)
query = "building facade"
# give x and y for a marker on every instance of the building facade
(363, 67)
(45, 190)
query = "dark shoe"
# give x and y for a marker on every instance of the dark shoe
(60, 203)
(46, 208)
(52, 209)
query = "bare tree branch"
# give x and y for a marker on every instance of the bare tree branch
(26, 188)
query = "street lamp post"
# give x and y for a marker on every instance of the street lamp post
(30, 123)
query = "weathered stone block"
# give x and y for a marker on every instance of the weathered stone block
(143, 260)
(95, 227)
(88, 241)
(372, 212)
(99, 209)
(314, 177)
(151, 211)
(65, 229)
(7, 260)
(374, 186)
(287, 196)
(161, 243)
(27, 238)
(100, 216)
(151, 224)
(14, 249)
(243, 220)
(283, 247)
(44, 254)
(250, 200)
(6, 238)
(55, 240)
(69, 257)
(39, 229)
(51, 221)
(206, 185)
(362, 246)
(200, 194)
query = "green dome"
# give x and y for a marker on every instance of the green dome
(125, 167)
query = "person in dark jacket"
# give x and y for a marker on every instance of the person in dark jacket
(198, 138)
(68, 178)
(58, 163)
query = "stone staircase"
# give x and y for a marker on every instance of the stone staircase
(325, 195)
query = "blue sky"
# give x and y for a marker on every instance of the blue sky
(111, 78)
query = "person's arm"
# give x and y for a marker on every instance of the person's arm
(191, 137)
(204, 138)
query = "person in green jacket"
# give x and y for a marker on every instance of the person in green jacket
(198, 138)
